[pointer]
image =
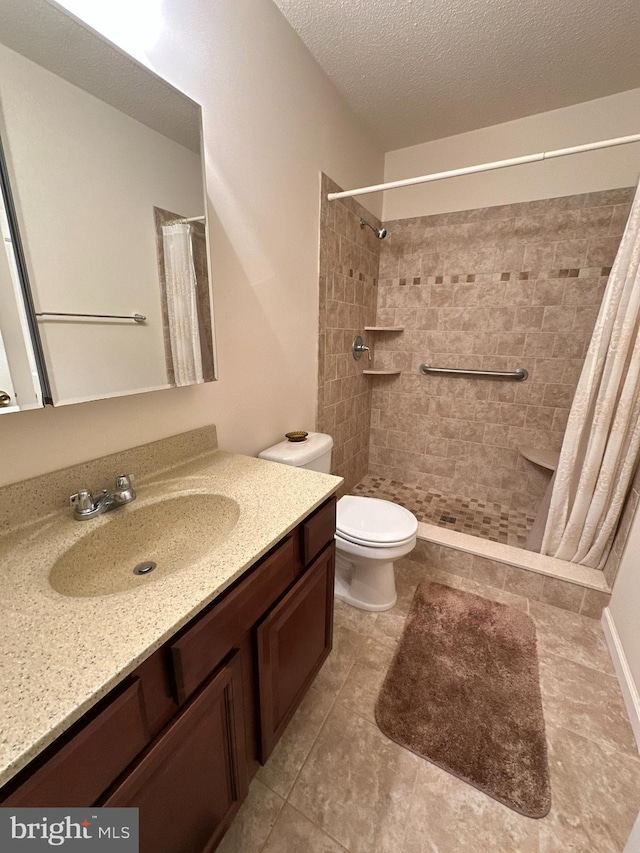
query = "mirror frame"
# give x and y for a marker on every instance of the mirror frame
(34, 29)
(23, 273)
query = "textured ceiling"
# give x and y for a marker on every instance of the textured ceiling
(416, 70)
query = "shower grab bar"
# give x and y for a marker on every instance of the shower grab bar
(518, 375)
(137, 318)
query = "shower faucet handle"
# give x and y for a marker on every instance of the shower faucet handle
(358, 348)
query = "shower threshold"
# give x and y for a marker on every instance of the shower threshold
(528, 561)
(506, 545)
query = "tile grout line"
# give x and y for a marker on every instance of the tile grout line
(604, 744)
(306, 817)
(320, 730)
(324, 721)
(600, 743)
(585, 665)
(304, 764)
(284, 802)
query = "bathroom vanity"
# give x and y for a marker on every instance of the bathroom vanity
(185, 728)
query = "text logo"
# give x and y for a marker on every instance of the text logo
(69, 829)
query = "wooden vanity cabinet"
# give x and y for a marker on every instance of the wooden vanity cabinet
(182, 736)
(199, 647)
(293, 641)
(75, 770)
(191, 781)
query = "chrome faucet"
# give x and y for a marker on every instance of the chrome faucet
(86, 506)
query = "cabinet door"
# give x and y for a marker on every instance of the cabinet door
(293, 642)
(191, 781)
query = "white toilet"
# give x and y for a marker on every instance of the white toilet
(370, 533)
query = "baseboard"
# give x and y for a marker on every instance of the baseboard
(629, 689)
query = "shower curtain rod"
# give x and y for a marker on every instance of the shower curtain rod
(487, 167)
(185, 219)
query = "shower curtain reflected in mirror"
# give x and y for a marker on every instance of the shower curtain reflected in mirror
(182, 304)
(185, 298)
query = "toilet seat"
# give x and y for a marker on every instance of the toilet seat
(365, 543)
(373, 522)
(378, 552)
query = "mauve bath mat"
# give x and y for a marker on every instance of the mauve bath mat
(463, 692)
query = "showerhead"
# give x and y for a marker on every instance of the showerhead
(380, 233)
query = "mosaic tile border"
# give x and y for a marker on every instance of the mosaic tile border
(350, 272)
(484, 519)
(481, 278)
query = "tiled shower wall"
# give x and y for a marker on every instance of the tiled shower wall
(349, 258)
(495, 288)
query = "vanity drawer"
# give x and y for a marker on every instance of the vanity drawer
(318, 531)
(93, 755)
(201, 646)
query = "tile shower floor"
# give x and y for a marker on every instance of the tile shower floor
(336, 783)
(467, 515)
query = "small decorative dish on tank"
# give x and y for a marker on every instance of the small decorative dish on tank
(296, 435)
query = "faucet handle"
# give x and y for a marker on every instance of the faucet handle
(82, 500)
(358, 347)
(124, 489)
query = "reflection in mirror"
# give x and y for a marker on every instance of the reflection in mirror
(105, 168)
(19, 379)
(186, 312)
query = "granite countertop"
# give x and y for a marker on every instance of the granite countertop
(62, 654)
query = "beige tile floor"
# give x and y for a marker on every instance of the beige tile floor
(336, 783)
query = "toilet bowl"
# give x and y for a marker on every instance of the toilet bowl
(370, 533)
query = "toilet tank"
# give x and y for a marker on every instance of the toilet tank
(314, 453)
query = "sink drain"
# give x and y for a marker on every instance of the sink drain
(144, 568)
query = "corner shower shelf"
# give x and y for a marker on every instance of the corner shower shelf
(384, 328)
(381, 372)
(546, 458)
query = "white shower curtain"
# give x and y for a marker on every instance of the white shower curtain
(182, 304)
(602, 442)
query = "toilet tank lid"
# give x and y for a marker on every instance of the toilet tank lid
(299, 452)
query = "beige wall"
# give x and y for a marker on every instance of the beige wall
(272, 123)
(624, 529)
(625, 601)
(633, 842)
(605, 118)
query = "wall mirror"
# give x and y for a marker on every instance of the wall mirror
(104, 219)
